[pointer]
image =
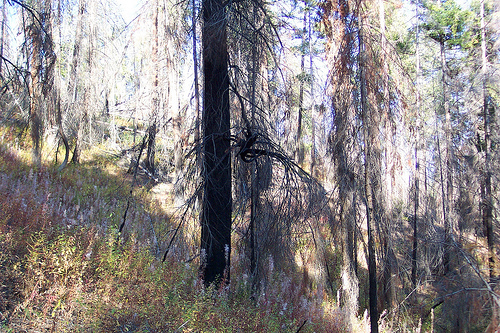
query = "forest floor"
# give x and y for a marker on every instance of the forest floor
(65, 268)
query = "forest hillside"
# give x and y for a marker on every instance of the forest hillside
(249, 166)
(65, 268)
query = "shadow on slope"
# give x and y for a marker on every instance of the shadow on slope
(62, 267)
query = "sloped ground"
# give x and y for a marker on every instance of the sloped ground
(64, 268)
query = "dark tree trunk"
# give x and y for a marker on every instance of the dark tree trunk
(64, 139)
(313, 104)
(487, 200)
(254, 182)
(217, 201)
(299, 149)
(35, 65)
(150, 155)
(414, 252)
(196, 87)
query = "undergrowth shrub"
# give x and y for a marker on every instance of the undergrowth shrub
(65, 268)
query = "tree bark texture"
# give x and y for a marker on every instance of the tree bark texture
(41, 68)
(35, 65)
(155, 101)
(73, 81)
(370, 199)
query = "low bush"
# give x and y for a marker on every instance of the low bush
(64, 268)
